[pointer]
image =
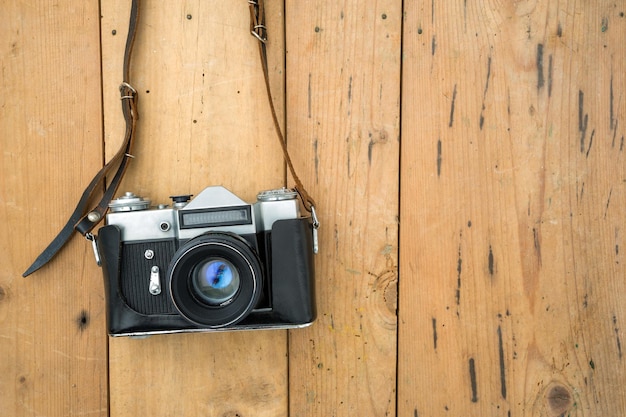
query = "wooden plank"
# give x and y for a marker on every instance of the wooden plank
(204, 120)
(512, 212)
(343, 72)
(52, 337)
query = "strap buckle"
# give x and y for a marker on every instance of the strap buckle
(94, 244)
(257, 18)
(316, 225)
(256, 32)
(125, 89)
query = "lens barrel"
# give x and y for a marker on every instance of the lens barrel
(215, 279)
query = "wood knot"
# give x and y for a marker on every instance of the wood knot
(559, 399)
(385, 297)
(3, 294)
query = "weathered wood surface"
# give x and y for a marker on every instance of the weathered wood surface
(53, 352)
(513, 209)
(509, 190)
(343, 114)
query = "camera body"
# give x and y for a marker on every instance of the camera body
(213, 263)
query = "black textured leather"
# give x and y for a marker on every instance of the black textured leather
(292, 286)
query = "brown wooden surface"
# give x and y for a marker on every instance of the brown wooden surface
(53, 352)
(343, 113)
(513, 195)
(467, 160)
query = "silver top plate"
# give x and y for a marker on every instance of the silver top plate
(129, 202)
(277, 195)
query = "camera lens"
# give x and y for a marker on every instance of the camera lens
(216, 281)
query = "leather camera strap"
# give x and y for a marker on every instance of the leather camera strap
(84, 223)
(80, 221)
(259, 31)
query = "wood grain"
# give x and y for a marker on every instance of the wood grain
(500, 212)
(52, 336)
(204, 120)
(343, 92)
(512, 269)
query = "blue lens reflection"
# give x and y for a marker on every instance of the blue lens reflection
(217, 274)
(215, 281)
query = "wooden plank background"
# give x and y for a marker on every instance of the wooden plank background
(53, 350)
(512, 289)
(468, 164)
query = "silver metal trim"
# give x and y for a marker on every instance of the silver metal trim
(143, 335)
(155, 281)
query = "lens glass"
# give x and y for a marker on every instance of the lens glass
(215, 281)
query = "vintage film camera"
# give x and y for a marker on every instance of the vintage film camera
(212, 263)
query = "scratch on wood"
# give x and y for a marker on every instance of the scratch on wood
(582, 191)
(508, 103)
(439, 157)
(583, 119)
(612, 121)
(472, 372)
(348, 157)
(540, 77)
(452, 107)
(379, 136)
(502, 371)
(593, 132)
(537, 244)
(465, 15)
(309, 97)
(608, 201)
(550, 75)
(434, 320)
(433, 45)
(459, 269)
(432, 11)
(617, 339)
(482, 110)
(490, 261)
(317, 161)
(350, 90)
